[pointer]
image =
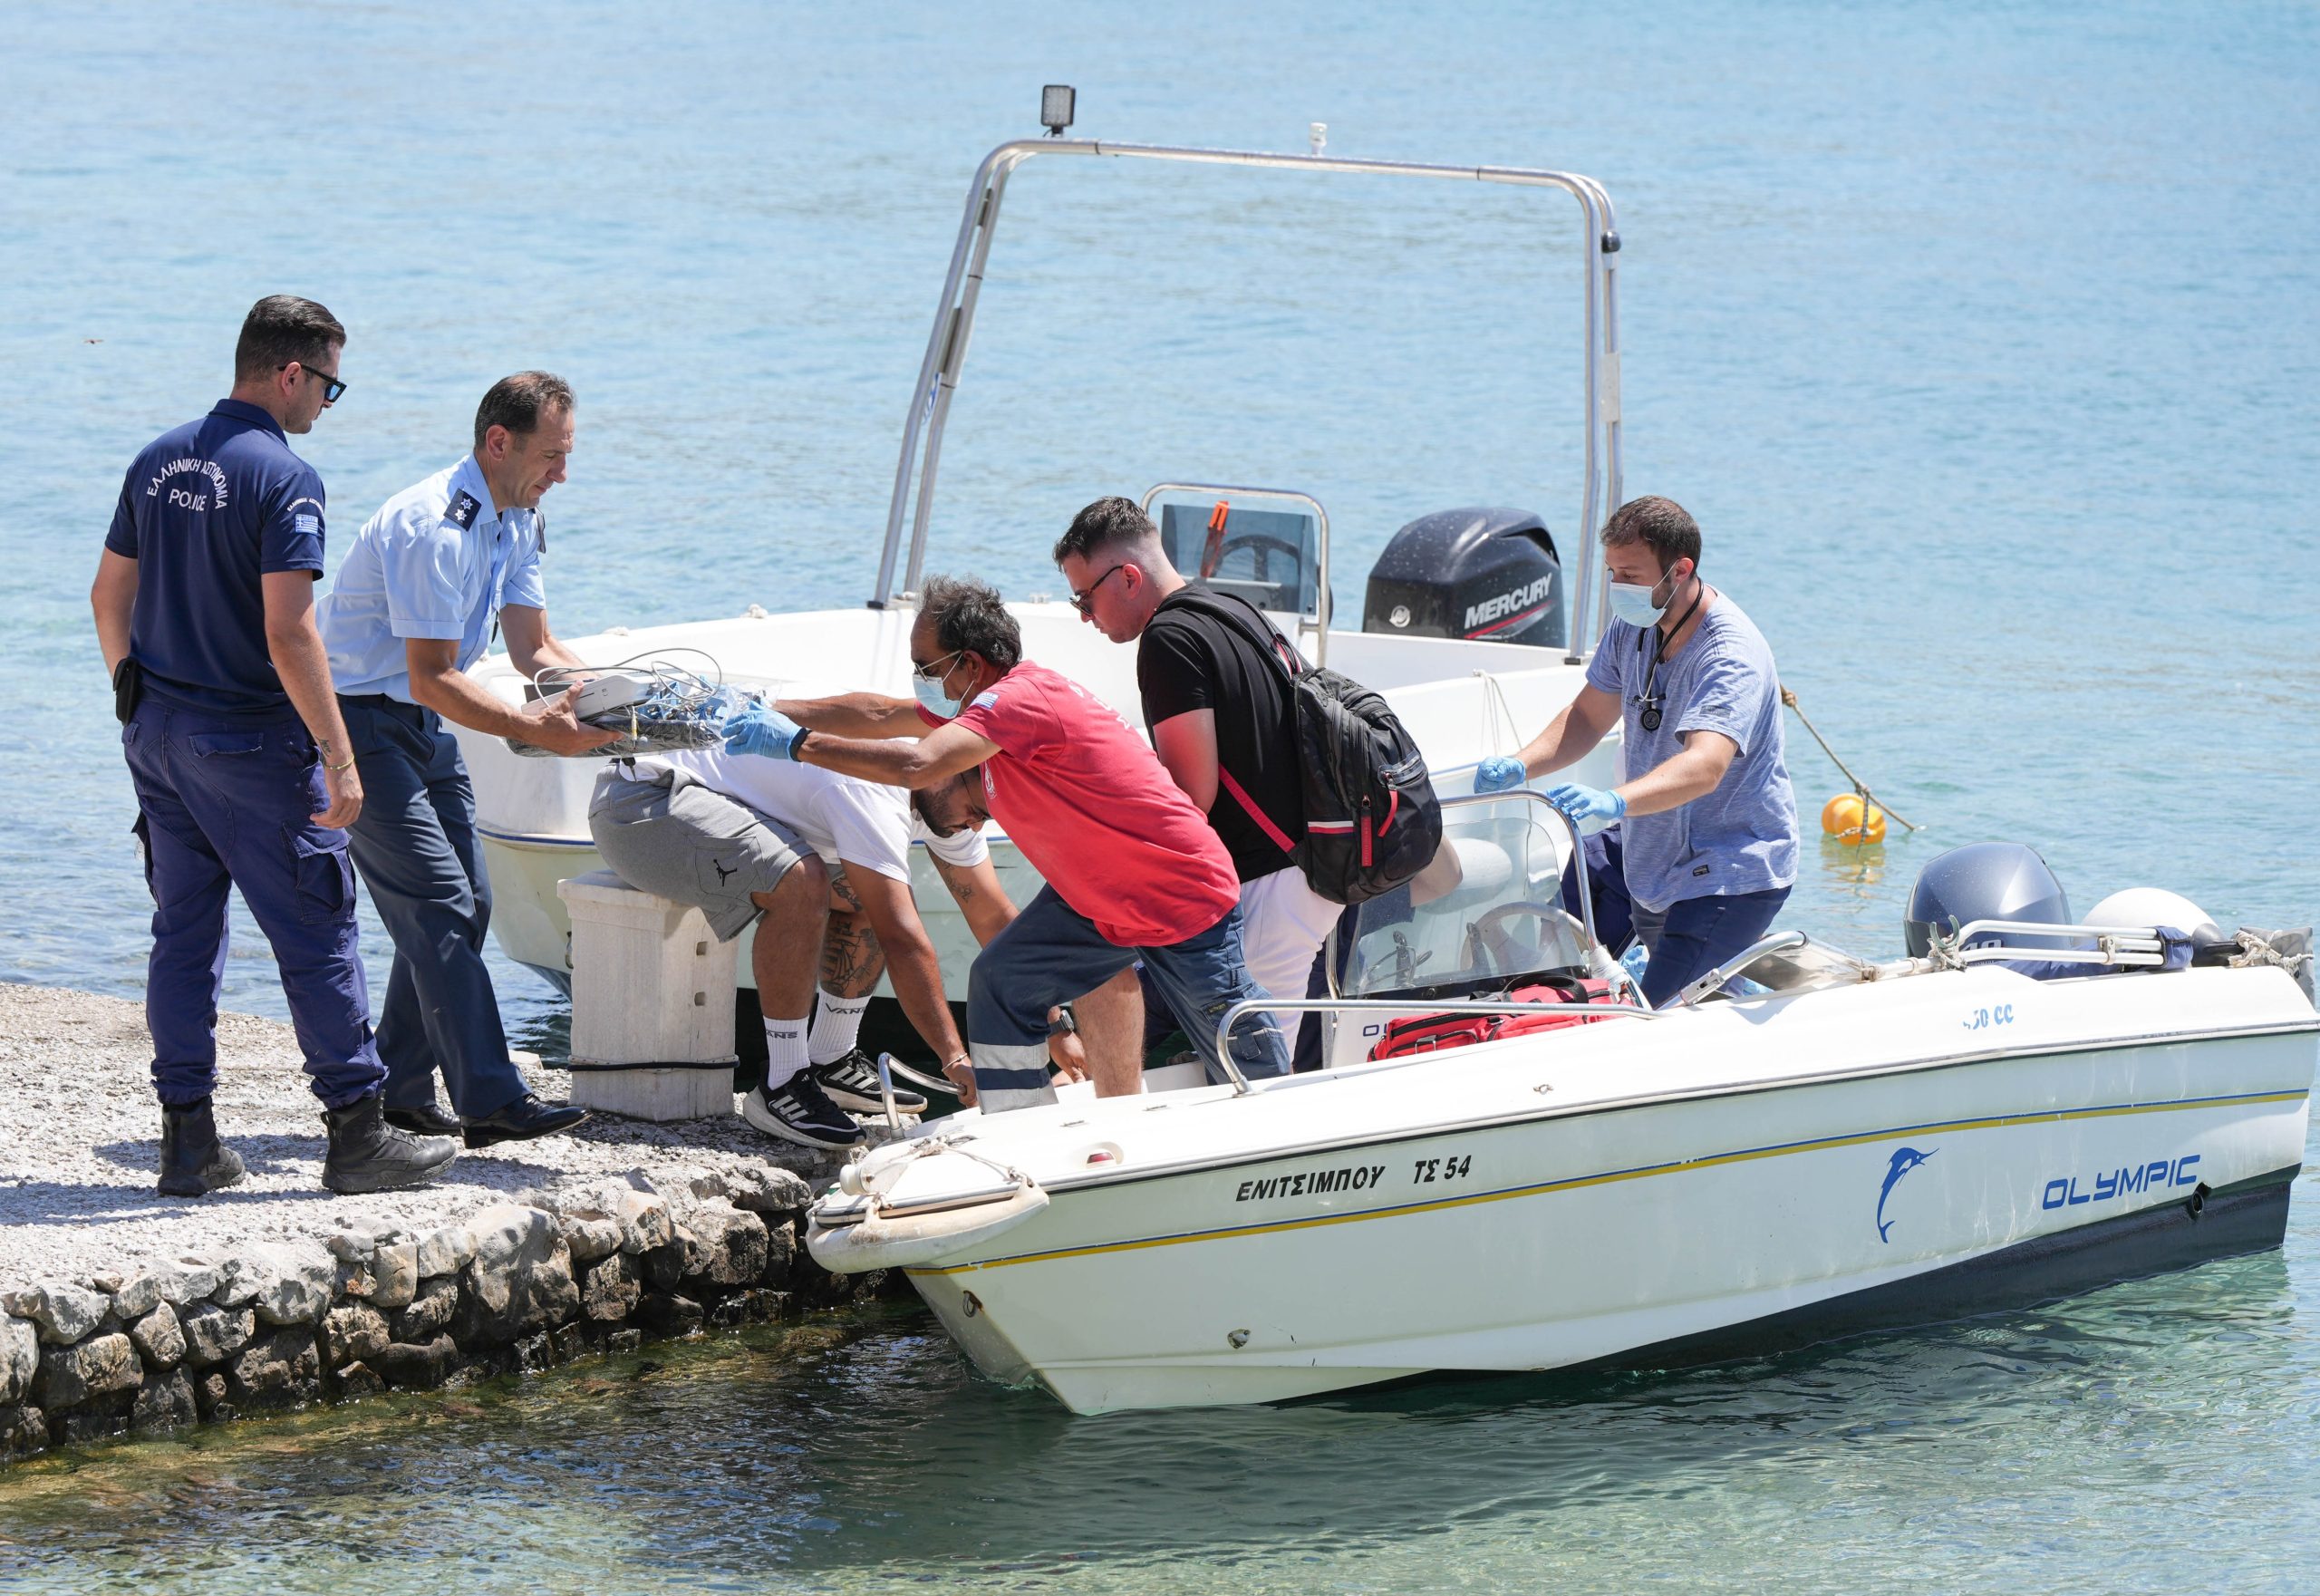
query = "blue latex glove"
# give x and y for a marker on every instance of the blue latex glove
(2174, 947)
(1587, 804)
(1499, 773)
(758, 729)
(1635, 960)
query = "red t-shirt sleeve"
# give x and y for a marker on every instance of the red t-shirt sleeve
(1012, 714)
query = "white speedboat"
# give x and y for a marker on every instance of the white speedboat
(1860, 1145)
(1469, 620)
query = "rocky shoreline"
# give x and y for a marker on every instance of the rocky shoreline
(333, 1305)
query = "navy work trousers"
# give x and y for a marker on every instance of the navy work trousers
(226, 802)
(1692, 936)
(1050, 953)
(415, 845)
(1685, 940)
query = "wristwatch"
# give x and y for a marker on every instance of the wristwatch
(1063, 1024)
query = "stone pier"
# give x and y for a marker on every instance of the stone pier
(122, 1311)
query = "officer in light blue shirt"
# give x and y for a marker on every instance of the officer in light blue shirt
(1707, 837)
(429, 578)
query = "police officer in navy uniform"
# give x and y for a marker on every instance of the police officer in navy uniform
(430, 577)
(204, 603)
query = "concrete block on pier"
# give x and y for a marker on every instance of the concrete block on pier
(652, 1003)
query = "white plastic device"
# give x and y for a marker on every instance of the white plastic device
(614, 689)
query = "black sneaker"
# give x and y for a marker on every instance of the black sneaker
(800, 1111)
(852, 1082)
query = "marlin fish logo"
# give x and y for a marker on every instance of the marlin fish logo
(1905, 1160)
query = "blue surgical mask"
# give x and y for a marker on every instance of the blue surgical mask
(1631, 603)
(933, 699)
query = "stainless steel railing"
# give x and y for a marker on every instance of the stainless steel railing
(946, 345)
(1247, 1006)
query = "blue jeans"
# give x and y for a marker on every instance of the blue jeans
(1692, 936)
(415, 845)
(225, 802)
(1050, 953)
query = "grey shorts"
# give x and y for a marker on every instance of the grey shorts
(662, 832)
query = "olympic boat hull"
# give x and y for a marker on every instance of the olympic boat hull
(1462, 701)
(1774, 1170)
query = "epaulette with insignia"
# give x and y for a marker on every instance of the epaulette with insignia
(461, 514)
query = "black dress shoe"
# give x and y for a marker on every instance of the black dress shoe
(523, 1119)
(428, 1120)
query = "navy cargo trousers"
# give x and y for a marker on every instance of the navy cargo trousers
(226, 802)
(416, 846)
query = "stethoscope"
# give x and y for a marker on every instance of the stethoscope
(1647, 705)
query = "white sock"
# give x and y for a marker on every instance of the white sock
(784, 1051)
(838, 1024)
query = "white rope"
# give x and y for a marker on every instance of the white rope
(943, 1144)
(1496, 708)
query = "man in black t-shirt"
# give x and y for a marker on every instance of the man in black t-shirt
(1219, 713)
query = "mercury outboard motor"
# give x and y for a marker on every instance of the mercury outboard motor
(1985, 881)
(1485, 573)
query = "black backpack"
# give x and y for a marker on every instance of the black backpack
(1371, 818)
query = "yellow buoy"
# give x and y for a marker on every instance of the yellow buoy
(1843, 817)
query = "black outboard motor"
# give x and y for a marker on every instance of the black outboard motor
(1985, 881)
(1485, 573)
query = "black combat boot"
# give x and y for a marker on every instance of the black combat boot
(368, 1155)
(193, 1160)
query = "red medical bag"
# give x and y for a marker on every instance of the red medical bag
(1432, 1033)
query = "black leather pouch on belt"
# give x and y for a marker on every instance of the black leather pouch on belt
(128, 687)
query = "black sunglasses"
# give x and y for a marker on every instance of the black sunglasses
(332, 386)
(1085, 601)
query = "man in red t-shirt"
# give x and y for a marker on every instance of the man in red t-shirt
(1133, 870)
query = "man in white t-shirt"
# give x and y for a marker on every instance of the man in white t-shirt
(825, 859)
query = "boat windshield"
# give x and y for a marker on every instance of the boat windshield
(1487, 912)
(1267, 545)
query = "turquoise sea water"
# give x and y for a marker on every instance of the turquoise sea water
(1980, 338)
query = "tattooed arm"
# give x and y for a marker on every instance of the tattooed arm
(975, 889)
(874, 927)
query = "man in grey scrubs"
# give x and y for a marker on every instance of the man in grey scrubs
(1707, 839)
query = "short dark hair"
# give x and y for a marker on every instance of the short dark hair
(1662, 525)
(933, 804)
(970, 616)
(517, 402)
(281, 328)
(1109, 523)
